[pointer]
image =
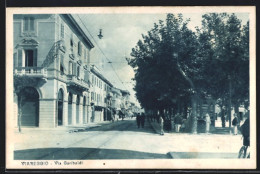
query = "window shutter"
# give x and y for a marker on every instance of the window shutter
(62, 31)
(15, 60)
(31, 24)
(86, 76)
(26, 24)
(74, 69)
(20, 58)
(35, 57)
(79, 48)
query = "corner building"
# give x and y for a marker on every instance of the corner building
(51, 56)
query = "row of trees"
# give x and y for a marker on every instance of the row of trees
(174, 63)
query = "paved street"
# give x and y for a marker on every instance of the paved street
(122, 140)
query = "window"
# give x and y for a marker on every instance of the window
(79, 48)
(70, 68)
(71, 44)
(62, 31)
(61, 69)
(28, 24)
(92, 96)
(78, 71)
(28, 58)
(85, 56)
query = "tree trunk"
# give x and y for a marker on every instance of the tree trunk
(229, 106)
(194, 114)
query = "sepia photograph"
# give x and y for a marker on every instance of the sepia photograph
(131, 87)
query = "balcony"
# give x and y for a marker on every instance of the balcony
(34, 76)
(31, 72)
(75, 82)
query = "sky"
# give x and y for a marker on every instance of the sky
(121, 33)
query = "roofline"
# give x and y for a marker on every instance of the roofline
(78, 28)
(100, 76)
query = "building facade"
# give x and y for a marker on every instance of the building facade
(100, 96)
(51, 71)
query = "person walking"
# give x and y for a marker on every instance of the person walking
(161, 125)
(245, 131)
(138, 120)
(235, 123)
(177, 122)
(208, 121)
(142, 120)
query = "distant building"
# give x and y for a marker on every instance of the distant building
(100, 96)
(51, 71)
(125, 103)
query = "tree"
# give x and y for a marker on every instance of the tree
(173, 62)
(160, 76)
(225, 49)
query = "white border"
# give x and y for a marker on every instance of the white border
(134, 164)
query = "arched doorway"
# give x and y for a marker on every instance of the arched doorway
(77, 109)
(70, 109)
(60, 108)
(28, 103)
(84, 110)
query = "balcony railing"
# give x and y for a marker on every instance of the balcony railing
(31, 71)
(76, 81)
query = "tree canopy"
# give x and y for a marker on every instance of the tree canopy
(173, 61)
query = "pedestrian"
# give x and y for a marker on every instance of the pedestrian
(138, 120)
(245, 131)
(142, 120)
(177, 122)
(235, 123)
(208, 121)
(223, 120)
(161, 125)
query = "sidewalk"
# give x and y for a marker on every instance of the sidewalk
(213, 130)
(70, 128)
(217, 144)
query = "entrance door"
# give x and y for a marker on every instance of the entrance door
(60, 108)
(29, 105)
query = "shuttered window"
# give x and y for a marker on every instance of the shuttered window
(74, 69)
(62, 31)
(70, 68)
(20, 58)
(28, 24)
(79, 48)
(78, 71)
